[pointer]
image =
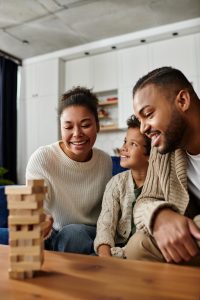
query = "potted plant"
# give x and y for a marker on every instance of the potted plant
(4, 181)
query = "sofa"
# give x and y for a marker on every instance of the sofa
(3, 217)
(4, 234)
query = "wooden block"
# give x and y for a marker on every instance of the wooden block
(15, 198)
(13, 243)
(35, 182)
(24, 190)
(33, 234)
(23, 205)
(25, 266)
(29, 274)
(29, 198)
(13, 258)
(30, 250)
(20, 275)
(23, 220)
(18, 189)
(34, 197)
(16, 275)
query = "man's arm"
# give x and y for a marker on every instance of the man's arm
(155, 192)
(175, 236)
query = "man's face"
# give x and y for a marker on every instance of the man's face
(159, 117)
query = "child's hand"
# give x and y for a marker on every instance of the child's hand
(104, 250)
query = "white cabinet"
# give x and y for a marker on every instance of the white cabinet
(105, 72)
(197, 52)
(78, 72)
(42, 83)
(98, 72)
(125, 106)
(42, 125)
(177, 52)
(40, 79)
(133, 63)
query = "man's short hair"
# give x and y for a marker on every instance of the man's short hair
(164, 77)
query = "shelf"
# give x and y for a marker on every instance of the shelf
(104, 103)
(103, 117)
(109, 128)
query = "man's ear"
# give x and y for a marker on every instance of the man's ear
(183, 100)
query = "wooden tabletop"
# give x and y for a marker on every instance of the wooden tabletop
(72, 276)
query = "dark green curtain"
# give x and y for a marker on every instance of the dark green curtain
(8, 117)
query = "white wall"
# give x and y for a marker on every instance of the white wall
(108, 141)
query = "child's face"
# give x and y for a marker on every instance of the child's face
(132, 153)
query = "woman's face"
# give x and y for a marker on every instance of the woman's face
(78, 131)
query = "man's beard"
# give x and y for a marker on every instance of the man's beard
(174, 134)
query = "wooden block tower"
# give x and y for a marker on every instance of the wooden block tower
(25, 204)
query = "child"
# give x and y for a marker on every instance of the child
(115, 223)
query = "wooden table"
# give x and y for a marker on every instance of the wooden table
(72, 276)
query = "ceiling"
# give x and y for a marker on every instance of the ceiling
(35, 27)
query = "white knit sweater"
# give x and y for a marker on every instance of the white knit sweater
(75, 189)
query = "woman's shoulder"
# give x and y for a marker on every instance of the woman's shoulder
(45, 151)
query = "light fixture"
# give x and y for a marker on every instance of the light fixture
(25, 42)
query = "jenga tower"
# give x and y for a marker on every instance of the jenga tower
(25, 204)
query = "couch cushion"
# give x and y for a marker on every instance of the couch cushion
(3, 209)
(4, 236)
(116, 168)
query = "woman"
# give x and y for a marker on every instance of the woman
(75, 173)
(115, 223)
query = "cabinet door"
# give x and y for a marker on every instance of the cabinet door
(105, 72)
(197, 52)
(40, 79)
(78, 72)
(178, 53)
(32, 125)
(29, 81)
(42, 124)
(125, 106)
(133, 63)
(47, 121)
(47, 73)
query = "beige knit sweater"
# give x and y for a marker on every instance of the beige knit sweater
(115, 221)
(165, 186)
(75, 189)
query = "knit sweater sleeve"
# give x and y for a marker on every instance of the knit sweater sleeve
(36, 169)
(155, 192)
(108, 218)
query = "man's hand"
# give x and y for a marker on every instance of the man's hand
(175, 236)
(104, 250)
(47, 225)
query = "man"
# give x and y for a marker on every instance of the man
(169, 111)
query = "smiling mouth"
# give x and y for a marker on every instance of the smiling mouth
(124, 157)
(78, 143)
(154, 136)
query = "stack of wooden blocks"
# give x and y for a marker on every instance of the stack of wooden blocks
(25, 204)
